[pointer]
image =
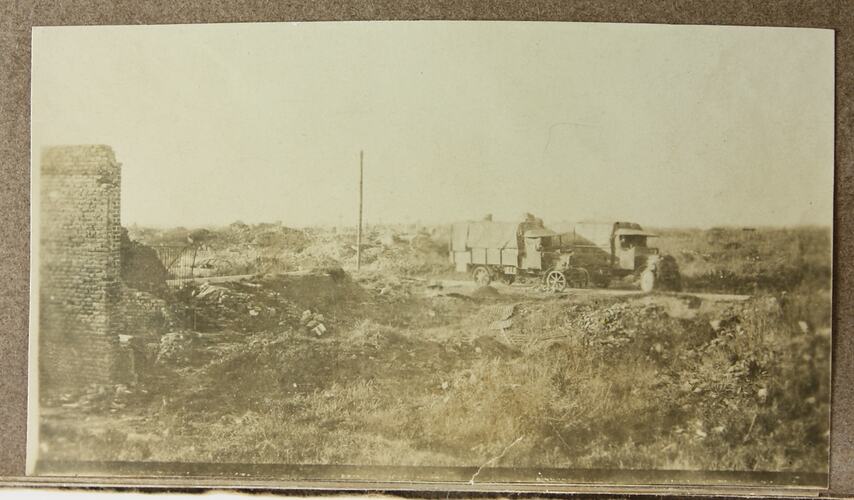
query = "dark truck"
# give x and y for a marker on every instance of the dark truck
(592, 253)
(615, 250)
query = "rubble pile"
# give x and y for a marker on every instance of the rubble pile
(615, 325)
(241, 306)
(383, 250)
(283, 238)
(241, 248)
(175, 347)
(327, 249)
(602, 326)
(417, 258)
(313, 322)
(321, 298)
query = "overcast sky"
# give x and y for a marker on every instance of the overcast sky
(663, 125)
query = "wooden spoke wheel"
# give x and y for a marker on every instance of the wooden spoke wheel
(481, 276)
(555, 281)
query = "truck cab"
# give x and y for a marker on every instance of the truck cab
(631, 251)
(611, 248)
(539, 244)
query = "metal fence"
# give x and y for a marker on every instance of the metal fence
(188, 263)
(179, 261)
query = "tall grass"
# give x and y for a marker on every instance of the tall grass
(733, 260)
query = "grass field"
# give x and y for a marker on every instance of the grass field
(408, 375)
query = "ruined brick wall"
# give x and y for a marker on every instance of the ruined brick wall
(79, 268)
(143, 314)
(143, 319)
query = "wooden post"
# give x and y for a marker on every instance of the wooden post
(359, 234)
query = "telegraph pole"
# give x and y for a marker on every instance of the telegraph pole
(359, 234)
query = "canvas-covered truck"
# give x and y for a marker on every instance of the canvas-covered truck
(591, 253)
(491, 250)
(614, 250)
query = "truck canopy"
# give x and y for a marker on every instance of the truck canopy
(590, 234)
(599, 234)
(634, 232)
(484, 234)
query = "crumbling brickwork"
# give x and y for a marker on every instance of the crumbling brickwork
(79, 266)
(143, 314)
(143, 319)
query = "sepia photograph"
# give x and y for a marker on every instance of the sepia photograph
(458, 253)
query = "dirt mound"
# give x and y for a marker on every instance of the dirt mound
(273, 302)
(240, 306)
(269, 366)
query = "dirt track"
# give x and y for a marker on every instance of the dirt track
(532, 290)
(529, 290)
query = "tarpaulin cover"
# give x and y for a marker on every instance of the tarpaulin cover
(484, 234)
(591, 233)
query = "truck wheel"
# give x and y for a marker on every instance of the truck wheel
(481, 276)
(578, 277)
(555, 281)
(647, 280)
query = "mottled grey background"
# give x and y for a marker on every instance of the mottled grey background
(16, 19)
